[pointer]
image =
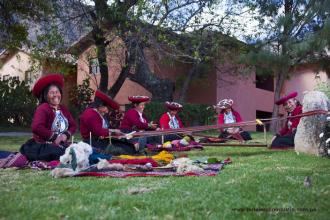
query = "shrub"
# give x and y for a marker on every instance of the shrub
(191, 114)
(17, 102)
(324, 87)
(80, 97)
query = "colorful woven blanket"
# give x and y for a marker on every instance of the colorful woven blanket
(210, 170)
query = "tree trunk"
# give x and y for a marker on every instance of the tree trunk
(185, 86)
(100, 18)
(274, 127)
(161, 89)
(130, 57)
(102, 58)
(124, 73)
(283, 73)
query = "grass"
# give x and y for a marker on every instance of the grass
(10, 128)
(258, 178)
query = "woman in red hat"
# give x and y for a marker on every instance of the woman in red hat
(95, 127)
(285, 138)
(52, 124)
(135, 120)
(171, 120)
(229, 115)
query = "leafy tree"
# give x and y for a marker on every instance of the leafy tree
(81, 95)
(163, 26)
(14, 15)
(290, 32)
(17, 102)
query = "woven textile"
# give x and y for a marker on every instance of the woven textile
(211, 170)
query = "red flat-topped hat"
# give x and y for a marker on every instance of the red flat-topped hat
(138, 98)
(286, 98)
(107, 100)
(225, 103)
(44, 81)
(173, 106)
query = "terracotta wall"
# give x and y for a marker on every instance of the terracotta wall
(247, 98)
(16, 65)
(115, 61)
(221, 82)
(304, 79)
(198, 92)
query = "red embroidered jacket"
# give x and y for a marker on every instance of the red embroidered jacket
(131, 121)
(165, 119)
(286, 130)
(42, 123)
(91, 121)
(221, 117)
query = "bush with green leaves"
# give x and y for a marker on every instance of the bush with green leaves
(17, 103)
(324, 87)
(81, 97)
(191, 114)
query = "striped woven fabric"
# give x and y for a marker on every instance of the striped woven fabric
(211, 170)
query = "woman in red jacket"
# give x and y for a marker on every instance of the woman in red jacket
(229, 115)
(135, 120)
(285, 137)
(171, 120)
(52, 124)
(94, 126)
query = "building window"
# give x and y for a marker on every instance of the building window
(265, 83)
(94, 66)
(263, 115)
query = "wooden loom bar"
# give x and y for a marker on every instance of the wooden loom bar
(232, 145)
(213, 127)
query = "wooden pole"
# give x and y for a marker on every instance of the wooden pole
(265, 135)
(162, 137)
(232, 145)
(110, 143)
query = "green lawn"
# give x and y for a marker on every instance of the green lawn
(14, 128)
(258, 178)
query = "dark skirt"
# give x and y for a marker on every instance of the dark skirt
(143, 141)
(244, 134)
(41, 151)
(172, 137)
(116, 147)
(283, 141)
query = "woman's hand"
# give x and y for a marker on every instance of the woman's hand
(233, 130)
(60, 138)
(116, 131)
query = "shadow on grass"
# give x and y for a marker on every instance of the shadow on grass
(254, 153)
(237, 152)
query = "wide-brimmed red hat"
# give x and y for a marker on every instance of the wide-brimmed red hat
(107, 100)
(225, 103)
(44, 81)
(138, 98)
(173, 106)
(286, 98)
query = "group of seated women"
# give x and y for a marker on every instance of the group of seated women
(53, 125)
